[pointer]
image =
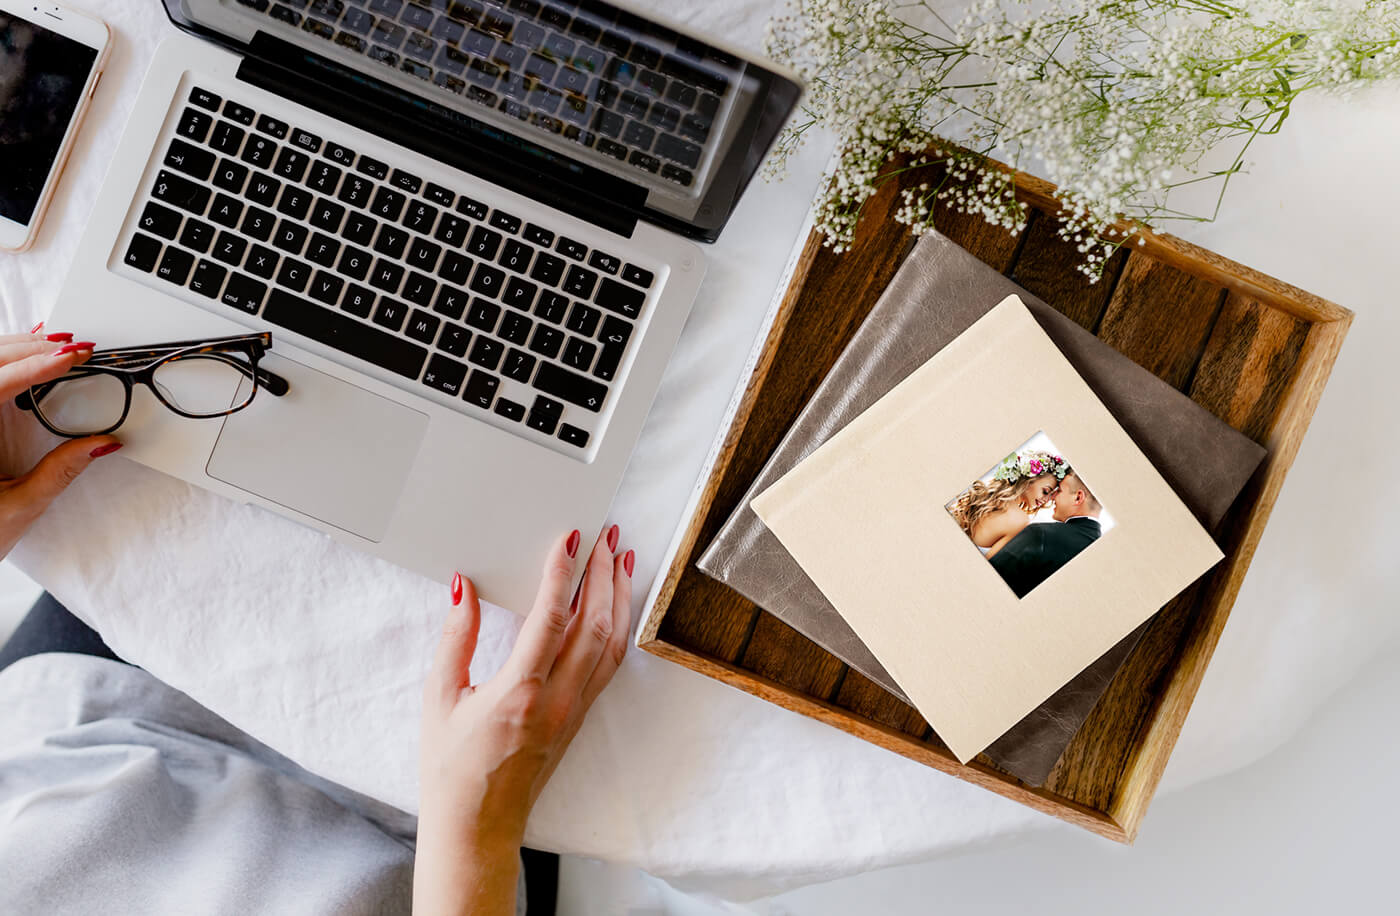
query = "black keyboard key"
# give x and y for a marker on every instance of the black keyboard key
(324, 177)
(161, 221)
(448, 29)
(423, 327)
(259, 151)
(175, 266)
(516, 328)
(307, 141)
(445, 375)
(505, 221)
(424, 254)
(481, 389)
(510, 410)
(353, 42)
(262, 262)
(583, 319)
(578, 354)
(325, 326)
(552, 306)
(674, 148)
(484, 243)
(180, 192)
(605, 262)
(634, 274)
(519, 366)
(326, 287)
(452, 231)
(420, 217)
(488, 280)
(571, 387)
(295, 202)
(419, 289)
(486, 352)
(546, 340)
(548, 269)
(142, 253)
(230, 176)
(258, 224)
(455, 268)
(614, 337)
(573, 435)
(359, 228)
(236, 112)
(571, 249)
(615, 297)
(384, 55)
(643, 161)
(417, 17)
(544, 415)
(358, 301)
(390, 314)
(422, 48)
(406, 182)
(391, 241)
(516, 256)
(439, 195)
(244, 293)
(190, 159)
(580, 282)
(272, 126)
(609, 148)
(388, 204)
(451, 302)
(386, 275)
(322, 250)
(373, 168)
(294, 274)
(473, 208)
(291, 164)
(338, 154)
(519, 294)
(673, 172)
(355, 262)
(386, 7)
(286, 14)
(483, 315)
(454, 339)
(226, 210)
(696, 127)
(326, 215)
(198, 235)
(538, 235)
(290, 237)
(205, 99)
(263, 190)
(358, 21)
(664, 117)
(230, 248)
(194, 125)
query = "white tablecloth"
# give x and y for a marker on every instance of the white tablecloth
(318, 650)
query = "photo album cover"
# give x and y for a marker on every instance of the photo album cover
(987, 529)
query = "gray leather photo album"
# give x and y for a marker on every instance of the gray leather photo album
(939, 292)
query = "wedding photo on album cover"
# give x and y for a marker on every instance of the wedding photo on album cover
(1030, 514)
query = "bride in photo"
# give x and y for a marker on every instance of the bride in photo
(993, 512)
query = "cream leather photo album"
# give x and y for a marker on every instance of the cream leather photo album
(987, 529)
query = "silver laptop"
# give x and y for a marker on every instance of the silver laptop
(469, 226)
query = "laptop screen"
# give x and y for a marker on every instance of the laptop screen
(583, 93)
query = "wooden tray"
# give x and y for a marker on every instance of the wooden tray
(1254, 351)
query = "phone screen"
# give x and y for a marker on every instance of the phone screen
(42, 76)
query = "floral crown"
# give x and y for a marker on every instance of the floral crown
(1030, 464)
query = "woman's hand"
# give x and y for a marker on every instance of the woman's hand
(488, 749)
(25, 360)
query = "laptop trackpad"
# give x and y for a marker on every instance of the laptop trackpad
(327, 449)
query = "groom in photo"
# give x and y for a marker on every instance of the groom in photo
(1032, 556)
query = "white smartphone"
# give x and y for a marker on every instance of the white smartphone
(51, 58)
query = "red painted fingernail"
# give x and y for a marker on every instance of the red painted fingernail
(107, 449)
(64, 337)
(74, 347)
(572, 546)
(629, 560)
(456, 589)
(612, 537)
(37, 328)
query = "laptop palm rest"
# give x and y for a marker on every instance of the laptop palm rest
(327, 449)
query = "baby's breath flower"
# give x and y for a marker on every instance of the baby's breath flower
(1107, 99)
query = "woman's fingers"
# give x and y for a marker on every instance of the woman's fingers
(41, 367)
(538, 644)
(31, 494)
(616, 648)
(452, 662)
(592, 627)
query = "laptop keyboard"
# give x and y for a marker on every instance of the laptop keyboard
(629, 89)
(437, 287)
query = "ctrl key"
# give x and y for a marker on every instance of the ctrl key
(142, 253)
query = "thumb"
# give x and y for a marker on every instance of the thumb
(60, 467)
(453, 660)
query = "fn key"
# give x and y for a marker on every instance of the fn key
(143, 252)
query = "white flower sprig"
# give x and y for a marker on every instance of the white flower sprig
(1117, 102)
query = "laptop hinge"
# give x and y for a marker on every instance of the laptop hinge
(442, 133)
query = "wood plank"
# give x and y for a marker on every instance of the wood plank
(1248, 364)
(865, 698)
(711, 617)
(1049, 268)
(778, 652)
(1161, 318)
